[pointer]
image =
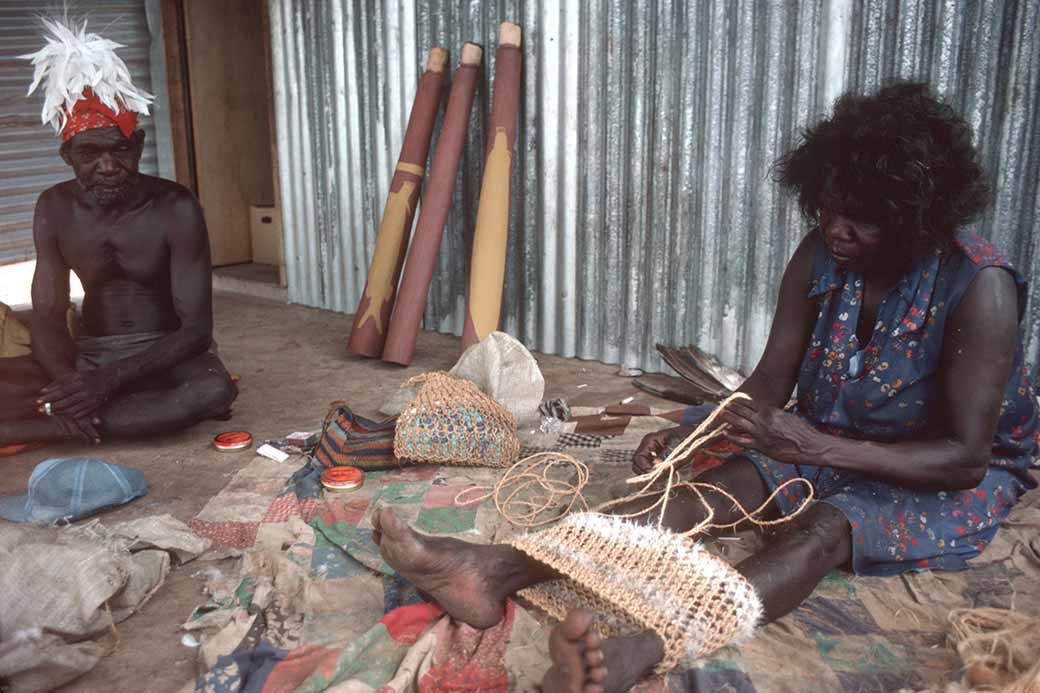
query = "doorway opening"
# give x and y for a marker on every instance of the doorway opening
(218, 58)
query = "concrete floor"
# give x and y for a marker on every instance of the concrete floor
(251, 279)
(293, 362)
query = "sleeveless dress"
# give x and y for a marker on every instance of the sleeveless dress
(890, 390)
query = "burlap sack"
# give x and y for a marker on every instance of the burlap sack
(58, 580)
(161, 532)
(452, 422)
(43, 661)
(59, 586)
(14, 336)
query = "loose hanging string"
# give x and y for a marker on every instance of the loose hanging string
(531, 492)
(116, 640)
(528, 496)
(701, 436)
(683, 454)
(707, 523)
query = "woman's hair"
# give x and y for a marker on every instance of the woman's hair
(900, 158)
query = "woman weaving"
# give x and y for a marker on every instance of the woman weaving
(915, 420)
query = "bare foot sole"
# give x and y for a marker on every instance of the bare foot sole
(458, 575)
(585, 663)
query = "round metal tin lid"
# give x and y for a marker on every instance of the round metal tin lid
(232, 441)
(342, 478)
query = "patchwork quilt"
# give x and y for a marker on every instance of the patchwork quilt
(306, 603)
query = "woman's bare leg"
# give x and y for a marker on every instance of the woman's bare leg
(685, 510)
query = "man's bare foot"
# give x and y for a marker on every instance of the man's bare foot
(585, 663)
(469, 581)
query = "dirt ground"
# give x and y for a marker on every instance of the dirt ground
(292, 362)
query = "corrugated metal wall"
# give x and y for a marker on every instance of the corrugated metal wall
(642, 206)
(29, 161)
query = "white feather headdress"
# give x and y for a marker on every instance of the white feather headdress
(73, 60)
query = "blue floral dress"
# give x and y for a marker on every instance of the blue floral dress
(890, 390)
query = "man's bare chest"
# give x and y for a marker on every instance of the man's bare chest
(99, 252)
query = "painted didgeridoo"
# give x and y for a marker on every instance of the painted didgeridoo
(436, 202)
(377, 300)
(488, 265)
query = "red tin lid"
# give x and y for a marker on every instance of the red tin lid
(342, 478)
(232, 441)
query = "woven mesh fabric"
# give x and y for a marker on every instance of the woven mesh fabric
(637, 578)
(452, 422)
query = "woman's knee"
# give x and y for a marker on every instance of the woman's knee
(823, 531)
(741, 479)
(738, 479)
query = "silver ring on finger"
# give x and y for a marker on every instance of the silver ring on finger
(48, 409)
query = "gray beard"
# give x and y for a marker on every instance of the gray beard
(108, 196)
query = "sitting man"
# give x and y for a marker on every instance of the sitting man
(142, 363)
(915, 421)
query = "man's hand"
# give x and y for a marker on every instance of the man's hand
(768, 429)
(78, 394)
(84, 429)
(656, 446)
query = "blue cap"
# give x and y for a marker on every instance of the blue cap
(71, 488)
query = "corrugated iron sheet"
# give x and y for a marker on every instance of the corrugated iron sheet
(29, 161)
(642, 207)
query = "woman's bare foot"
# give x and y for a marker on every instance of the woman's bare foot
(584, 663)
(469, 581)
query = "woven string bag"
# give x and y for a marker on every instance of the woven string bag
(636, 578)
(452, 422)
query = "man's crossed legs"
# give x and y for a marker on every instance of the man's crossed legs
(193, 391)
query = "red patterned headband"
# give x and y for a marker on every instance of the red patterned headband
(89, 113)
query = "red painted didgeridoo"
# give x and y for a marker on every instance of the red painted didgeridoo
(436, 203)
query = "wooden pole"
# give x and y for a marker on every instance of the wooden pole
(436, 203)
(377, 300)
(488, 265)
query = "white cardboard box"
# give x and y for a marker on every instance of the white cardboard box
(265, 227)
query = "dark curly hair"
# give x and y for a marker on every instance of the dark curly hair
(900, 158)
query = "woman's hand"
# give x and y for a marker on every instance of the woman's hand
(655, 447)
(770, 430)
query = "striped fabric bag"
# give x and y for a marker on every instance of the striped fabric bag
(348, 439)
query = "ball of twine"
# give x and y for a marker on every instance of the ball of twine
(536, 491)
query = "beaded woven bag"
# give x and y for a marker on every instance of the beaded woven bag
(452, 422)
